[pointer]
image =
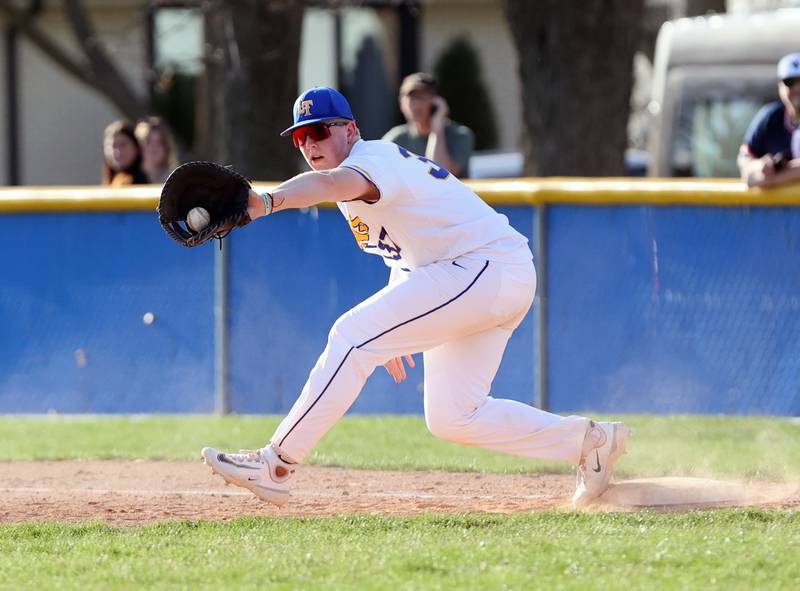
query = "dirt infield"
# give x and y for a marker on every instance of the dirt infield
(138, 492)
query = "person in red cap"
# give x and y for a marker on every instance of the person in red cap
(461, 280)
(428, 130)
(770, 153)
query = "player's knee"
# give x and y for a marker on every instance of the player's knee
(447, 426)
(347, 329)
(341, 332)
(346, 337)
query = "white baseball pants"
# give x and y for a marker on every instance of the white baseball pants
(460, 313)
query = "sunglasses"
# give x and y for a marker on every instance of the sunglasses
(789, 82)
(316, 131)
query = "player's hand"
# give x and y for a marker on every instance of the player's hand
(397, 368)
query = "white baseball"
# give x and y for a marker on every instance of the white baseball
(198, 218)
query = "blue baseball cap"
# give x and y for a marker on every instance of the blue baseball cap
(321, 103)
(789, 66)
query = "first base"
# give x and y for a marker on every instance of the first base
(674, 491)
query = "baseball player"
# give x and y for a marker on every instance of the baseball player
(462, 279)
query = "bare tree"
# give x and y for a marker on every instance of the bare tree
(94, 67)
(576, 69)
(244, 99)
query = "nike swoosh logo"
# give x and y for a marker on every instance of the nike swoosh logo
(227, 460)
(597, 457)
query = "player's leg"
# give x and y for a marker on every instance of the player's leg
(432, 305)
(458, 379)
(417, 312)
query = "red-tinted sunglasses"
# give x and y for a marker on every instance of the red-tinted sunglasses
(316, 131)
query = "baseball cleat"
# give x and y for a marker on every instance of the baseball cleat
(260, 471)
(594, 471)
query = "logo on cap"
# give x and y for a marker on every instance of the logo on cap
(327, 104)
(305, 108)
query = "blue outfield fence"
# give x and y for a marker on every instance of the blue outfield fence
(75, 290)
(680, 309)
(674, 304)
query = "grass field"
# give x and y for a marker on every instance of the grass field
(739, 447)
(710, 550)
(722, 549)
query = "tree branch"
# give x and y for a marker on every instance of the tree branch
(20, 20)
(106, 75)
(97, 72)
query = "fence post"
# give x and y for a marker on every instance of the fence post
(221, 396)
(542, 378)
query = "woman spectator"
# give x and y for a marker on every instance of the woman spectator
(158, 149)
(122, 157)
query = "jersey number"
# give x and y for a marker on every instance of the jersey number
(435, 170)
(389, 249)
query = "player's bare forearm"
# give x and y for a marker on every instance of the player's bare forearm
(311, 188)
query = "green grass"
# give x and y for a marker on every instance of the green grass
(727, 550)
(738, 447)
(708, 550)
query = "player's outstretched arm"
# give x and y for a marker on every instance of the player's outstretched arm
(313, 188)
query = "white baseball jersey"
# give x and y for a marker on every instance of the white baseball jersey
(424, 214)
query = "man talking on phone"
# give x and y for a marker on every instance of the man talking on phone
(428, 131)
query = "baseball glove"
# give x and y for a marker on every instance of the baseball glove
(219, 189)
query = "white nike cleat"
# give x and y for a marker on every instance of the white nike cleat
(261, 472)
(594, 471)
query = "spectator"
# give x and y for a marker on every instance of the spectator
(122, 157)
(159, 153)
(770, 154)
(427, 130)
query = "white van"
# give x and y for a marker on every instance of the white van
(710, 77)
